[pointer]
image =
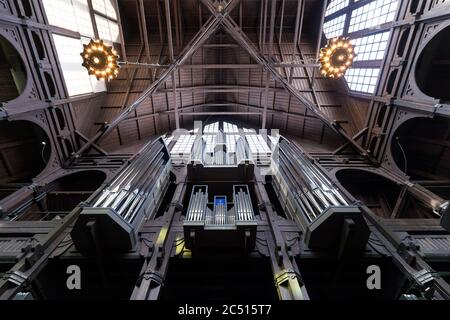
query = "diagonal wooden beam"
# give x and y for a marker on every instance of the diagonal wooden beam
(143, 22)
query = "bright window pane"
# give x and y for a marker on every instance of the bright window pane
(335, 27)
(257, 144)
(183, 145)
(105, 7)
(212, 128)
(362, 79)
(75, 75)
(373, 14)
(210, 141)
(60, 14)
(335, 6)
(371, 47)
(230, 128)
(70, 14)
(84, 20)
(231, 142)
(107, 30)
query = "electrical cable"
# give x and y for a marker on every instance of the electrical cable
(44, 145)
(403, 153)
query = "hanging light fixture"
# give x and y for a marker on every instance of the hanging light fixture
(101, 60)
(337, 57)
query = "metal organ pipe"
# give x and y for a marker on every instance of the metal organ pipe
(197, 204)
(243, 204)
(131, 188)
(311, 190)
(238, 222)
(133, 196)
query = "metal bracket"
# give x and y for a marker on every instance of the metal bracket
(423, 277)
(286, 276)
(17, 278)
(154, 276)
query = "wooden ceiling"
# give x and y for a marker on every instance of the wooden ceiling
(221, 78)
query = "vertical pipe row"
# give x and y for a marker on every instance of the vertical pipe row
(308, 187)
(144, 180)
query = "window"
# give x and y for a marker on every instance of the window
(210, 141)
(335, 27)
(373, 14)
(106, 19)
(105, 7)
(364, 20)
(230, 128)
(371, 47)
(335, 6)
(75, 75)
(212, 128)
(362, 79)
(257, 144)
(107, 30)
(236, 144)
(73, 15)
(231, 140)
(184, 145)
(70, 14)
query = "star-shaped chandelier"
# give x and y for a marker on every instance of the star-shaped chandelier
(101, 60)
(336, 57)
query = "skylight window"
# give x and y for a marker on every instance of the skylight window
(72, 15)
(373, 14)
(105, 7)
(371, 47)
(367, 24)
(335, 27)
(77, 79)
(362, 79)
(107, 30)
(335, 6)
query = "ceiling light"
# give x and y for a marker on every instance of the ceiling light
(100, 60)
(336, 58)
